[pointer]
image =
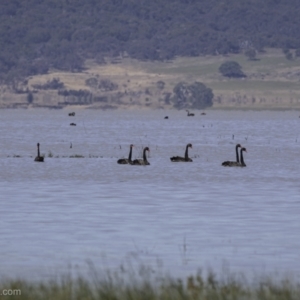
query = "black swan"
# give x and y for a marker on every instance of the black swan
(126, 161)
(189, 114)
(72, 114)
(39, 158)
(186, 155)
(233, 163)
(72, 124)
(144, 161)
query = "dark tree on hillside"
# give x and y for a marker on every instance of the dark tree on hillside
(231, 69)
(196, 96)
(251, 54)
(160, 84)
(287, 53)
(54, 84)
(29, 98)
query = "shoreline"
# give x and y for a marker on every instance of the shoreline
(131, 84)
(141, 284)
(24, 106)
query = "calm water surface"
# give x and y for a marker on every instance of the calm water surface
(177, 217)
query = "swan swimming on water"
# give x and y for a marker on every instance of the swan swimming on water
(189, 114)
(143, 161)
(186, 156)
(126, 161)
(233, 163)
(39, 158)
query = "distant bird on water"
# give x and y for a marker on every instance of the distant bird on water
(39, 158)
(189, 114)
(233, 163)
(186, 156)
(126, 161)
(144, 161)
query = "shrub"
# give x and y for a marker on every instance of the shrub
(160, 84)
(53, 84)
(29, 97)
(251, 54)
(196, 96)
(231, 69)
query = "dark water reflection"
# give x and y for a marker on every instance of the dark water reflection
(179, 217)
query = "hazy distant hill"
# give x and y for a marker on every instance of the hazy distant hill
(38, 34)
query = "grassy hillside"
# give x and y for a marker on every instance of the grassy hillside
(272, 82)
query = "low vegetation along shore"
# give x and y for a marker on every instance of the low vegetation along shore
(271, 81)
(193, 288)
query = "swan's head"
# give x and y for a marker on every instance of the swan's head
(244, 149)
(38, 144)
(190, 145)
(131, 146)
(238, 145)
(147, 149)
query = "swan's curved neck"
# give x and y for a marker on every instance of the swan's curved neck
(144, 155)
(130, 154)
(237, 154)
(38, 150)
(186, 155)
(242, 158)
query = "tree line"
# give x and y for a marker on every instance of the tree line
(36, 35)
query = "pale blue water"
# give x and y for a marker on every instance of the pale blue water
(175, 217)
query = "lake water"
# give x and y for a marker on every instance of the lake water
(175, 217)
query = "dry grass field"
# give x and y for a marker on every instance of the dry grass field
(272, 82)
